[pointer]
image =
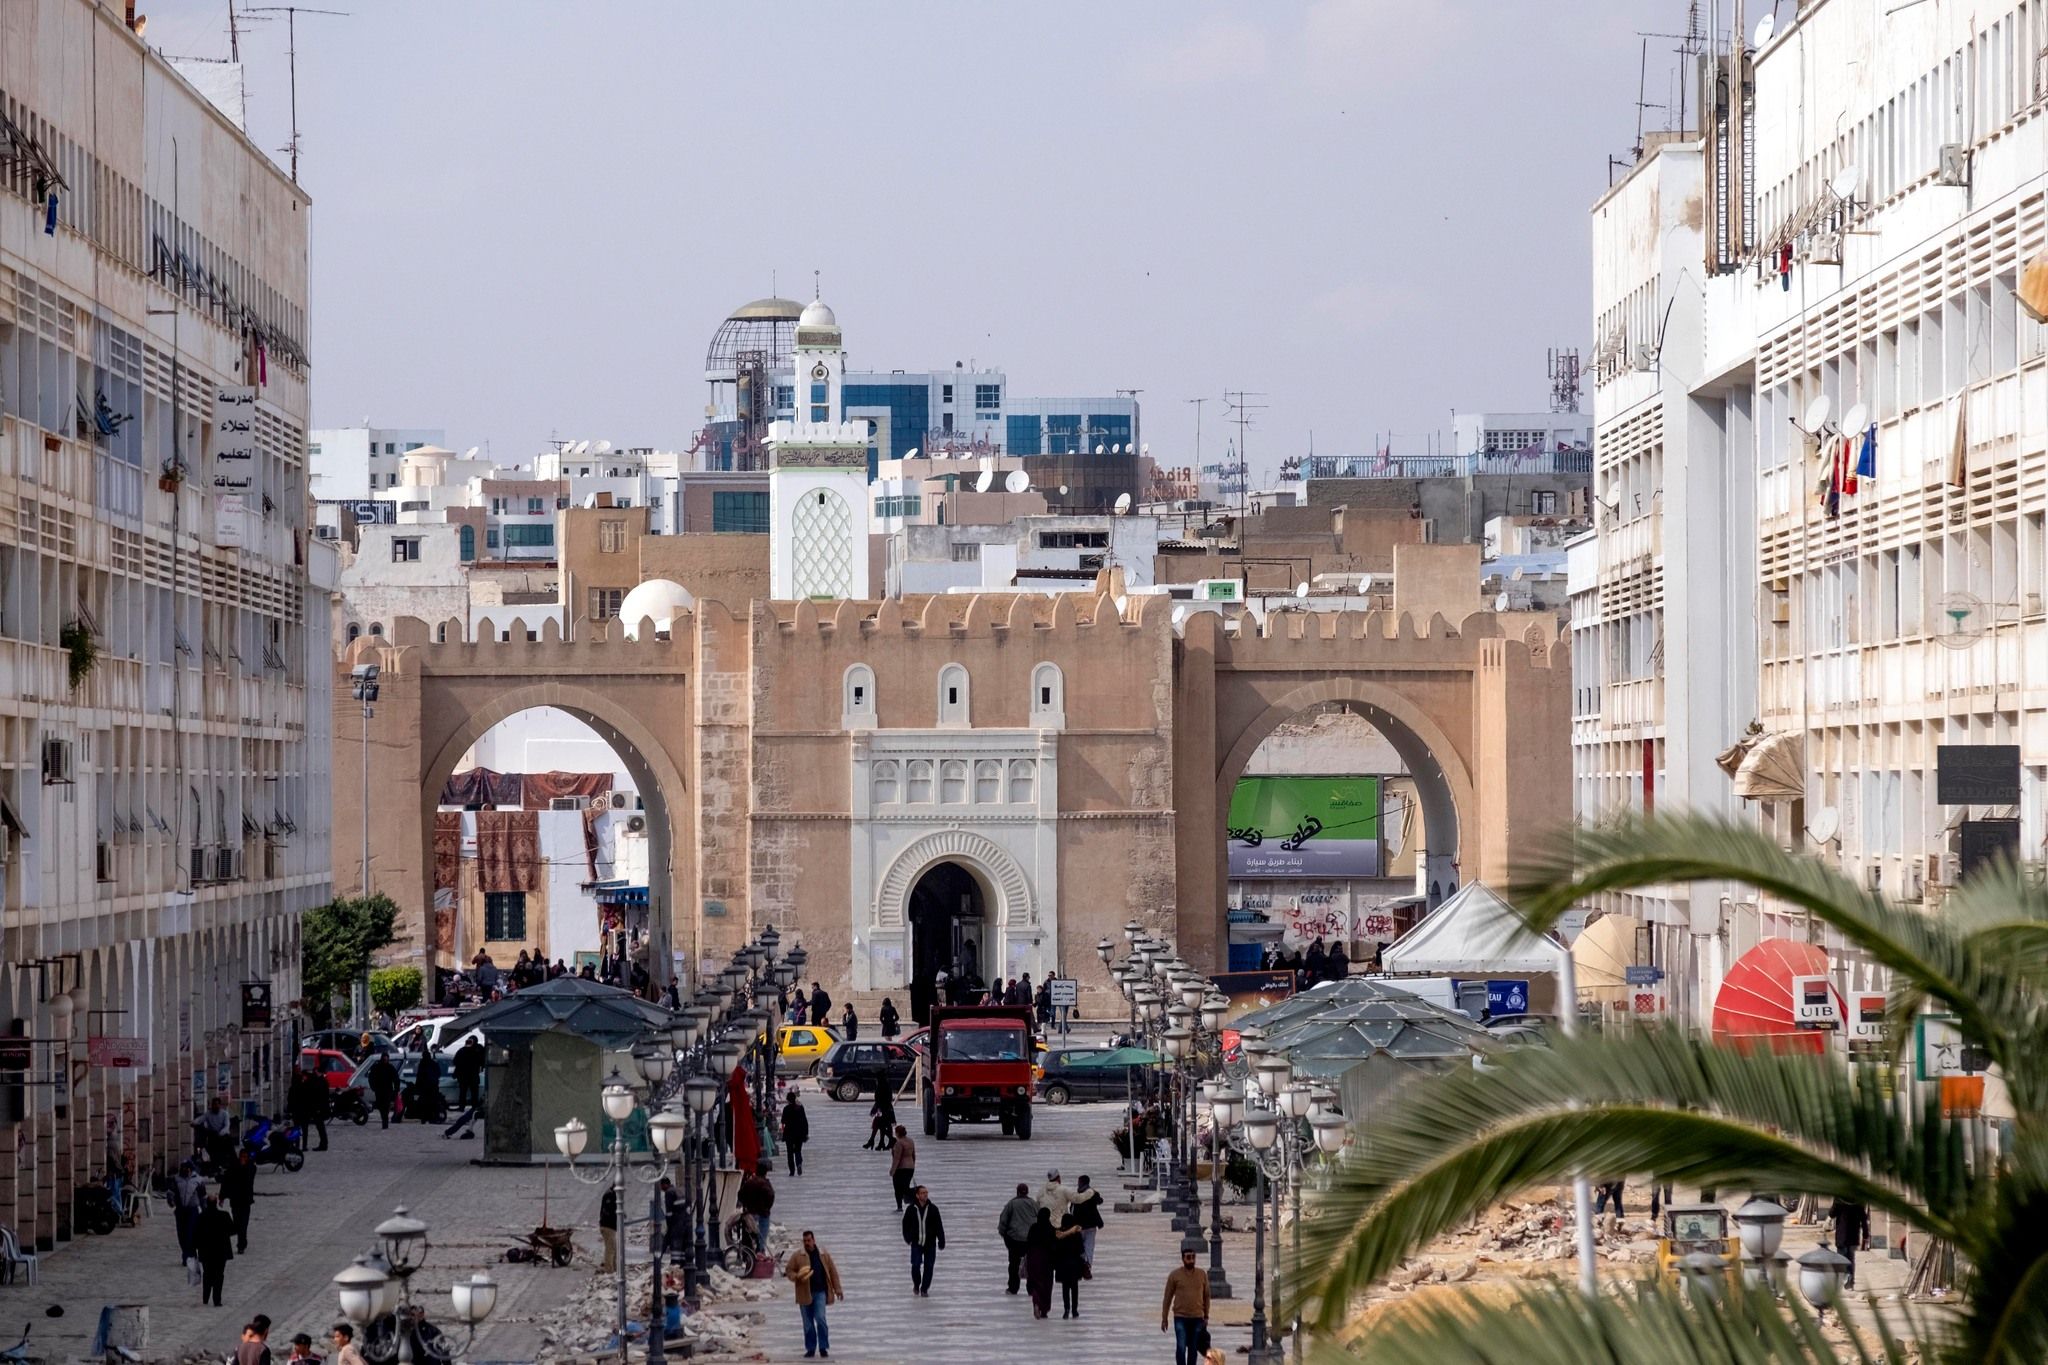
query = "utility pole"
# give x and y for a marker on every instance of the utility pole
(291, 24)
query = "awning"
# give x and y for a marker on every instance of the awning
(1754, 1006)
(1774, 769)
(1729, 760)
(604, 1014)
(1603, 953)
(1474, 933)
(11, 818)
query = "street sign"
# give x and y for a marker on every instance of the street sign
(255, 1004)
(1939, 1049)
(1507, 997)
(1813, 1003)
(105, 1050)
(1866, 1017)
(1639, 975)
(1066, 992)
(1977, 774)
(1647, 1002)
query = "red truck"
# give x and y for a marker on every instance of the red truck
(978, 1067)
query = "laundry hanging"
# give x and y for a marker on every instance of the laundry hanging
(1845, 464)
(1866, 455)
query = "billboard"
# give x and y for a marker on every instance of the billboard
(1305, 827)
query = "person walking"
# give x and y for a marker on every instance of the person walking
(799, 1009)
(902, 1165)
(816, 1279)
(891, 1021)
(238, 1192)
(608, 1229)
(188, 1196)
(1087, 1210)
(925, 1233)
(1186, 1306)
(1041, 1251)
(757, 1200)
(882, 1115)
(821, 1004)
(306, 1103)
(1851, 1223)
(1014, 1227)
(426, 1087)
(1054, 1197)
(469, 1074)
(849, 1023)
(213, 1242)
(796, 1131)
(384, 1083)
(1339, 965)
(1070, 1265)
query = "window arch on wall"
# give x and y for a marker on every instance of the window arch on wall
(918, 787)
(885, 783)
(1048, 698)
(988, 782)
(953, 703)
(953, 782)
(1023, 779)
(857, 708)
(377, 629)
(355, 632)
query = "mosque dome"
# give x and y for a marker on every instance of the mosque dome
(816, 314)
(658, 599)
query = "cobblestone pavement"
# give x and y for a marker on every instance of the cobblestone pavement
(307, 1226)
(844, 1196)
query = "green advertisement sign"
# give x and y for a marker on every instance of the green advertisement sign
(1305, 827)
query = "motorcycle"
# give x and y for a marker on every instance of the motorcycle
(279, 1145)
(352, 1104)
(93, 1209)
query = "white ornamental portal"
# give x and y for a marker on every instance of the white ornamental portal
(955, 862)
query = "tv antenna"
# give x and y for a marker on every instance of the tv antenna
(1244, 412)
(1564, 380)
(291, 15)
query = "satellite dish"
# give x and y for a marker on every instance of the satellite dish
(471, 453)
(912, 455)
(1501, 602)
(1962, 620)
(1301, 589)
(1017, 482)
(1098, 448)
(1823, 824)
(983, 480)
(1123, 504)
(1063, 490)
(1817, 413)
(1145, 449)
(1765, 27)
(1855, 420)
(1843, 184)
(582, 448)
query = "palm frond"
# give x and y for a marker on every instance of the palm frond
(1652, 1101)
(1995, 1004)
(1648, 1322)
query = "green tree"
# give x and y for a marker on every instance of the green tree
(335, 943)
(1695, 1113)
(395, 989)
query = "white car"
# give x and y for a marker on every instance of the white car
(439, 1033)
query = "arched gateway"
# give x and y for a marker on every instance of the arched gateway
(968, 783)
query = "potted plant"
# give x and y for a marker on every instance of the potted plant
(84, 651)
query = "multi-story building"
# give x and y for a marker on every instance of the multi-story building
(1821, 454)
(165, 666)
(357, 463)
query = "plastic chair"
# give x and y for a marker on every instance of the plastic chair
(11, 1256)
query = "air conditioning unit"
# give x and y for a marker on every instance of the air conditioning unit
(56, 761)
(568, 803)
(1644, 358)
(1916, 880)
(1934, 870)
(621, 800)
(1874, 874)
(637, 825)
(1824, 248)
(2033, 604)
(103, 861)
(227, 864)
(1955, 165)
(202, 864)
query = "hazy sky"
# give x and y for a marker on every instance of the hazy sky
(530, 217)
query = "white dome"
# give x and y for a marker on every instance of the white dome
(658, 599)
(816, 314)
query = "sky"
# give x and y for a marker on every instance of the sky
(529, 218)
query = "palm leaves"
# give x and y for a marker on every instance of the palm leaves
(1696, 1113)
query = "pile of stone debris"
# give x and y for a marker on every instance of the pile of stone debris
(585, 1326)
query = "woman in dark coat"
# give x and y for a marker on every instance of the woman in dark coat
(882, 1133)
(213, 1242)
(1041, 1253)
(1070, 1266)
(889, 1018)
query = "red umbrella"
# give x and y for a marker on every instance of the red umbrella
(1754, 1007)
(746, 1142)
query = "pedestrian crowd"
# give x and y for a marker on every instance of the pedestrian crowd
(1319, 963)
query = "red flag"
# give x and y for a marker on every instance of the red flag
(746, 1142)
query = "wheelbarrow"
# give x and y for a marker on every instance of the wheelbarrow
(555, 1245)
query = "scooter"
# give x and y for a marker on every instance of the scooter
(277, 1145)
(351, 1104)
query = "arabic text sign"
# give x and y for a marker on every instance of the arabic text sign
(1305, 827)
(104, 1050)
(233, 453)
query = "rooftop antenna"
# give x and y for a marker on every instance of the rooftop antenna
(1564, 380)
(291, 23)
(1245, 413)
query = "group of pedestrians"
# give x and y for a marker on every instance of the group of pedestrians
(1050, 1238)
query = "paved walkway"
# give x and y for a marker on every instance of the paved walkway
(844, 1196)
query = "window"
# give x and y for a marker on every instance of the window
(953, 708)
(988, 782)
(1048, 697)
(604, 603)
(1545, 503)
(405, 549)
(905, 505)
(611, 536)
(497, 507)
(919, 787)
(885, 783)
(945, 393)
(858, 711)
(1021, 781)
(354, 632)
(820, 408)
(536, 506)
(529, 535)
(468, 534)
(988, 398)
(746, 512)
(1073, 540)
(967, 553)
(391, 447)
(491, 538)
(504, 914)
(953, 782)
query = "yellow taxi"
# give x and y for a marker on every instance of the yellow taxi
(799, 1046)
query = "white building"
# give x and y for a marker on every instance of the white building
(165, 675)
(817, 487)
(1043, 553)
(1900, 173)
(353, 464)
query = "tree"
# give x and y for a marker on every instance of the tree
(394, 990)
(1694, 1112)
(335, 943)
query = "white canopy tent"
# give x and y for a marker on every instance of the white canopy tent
(1477, 933)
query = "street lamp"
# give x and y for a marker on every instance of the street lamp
(376, 1296)
(1821, 1273)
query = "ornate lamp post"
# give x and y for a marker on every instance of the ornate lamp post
(376, 1296)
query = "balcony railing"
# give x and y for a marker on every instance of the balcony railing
(1568, 460)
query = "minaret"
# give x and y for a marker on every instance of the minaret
(818, 475)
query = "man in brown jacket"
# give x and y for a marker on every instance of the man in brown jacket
(903, 1166)
(816, 1279)
(1187, 1304)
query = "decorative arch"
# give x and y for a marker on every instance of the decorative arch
(955, 702)
(857, 707)
(1048, 698)
(978, 853)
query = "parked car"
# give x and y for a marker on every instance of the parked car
(349, 1041)
(442, 1033)
(848, 1071)
(801, 1046)
(1072, 1075)
(331, 1065)
(408, 1071)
